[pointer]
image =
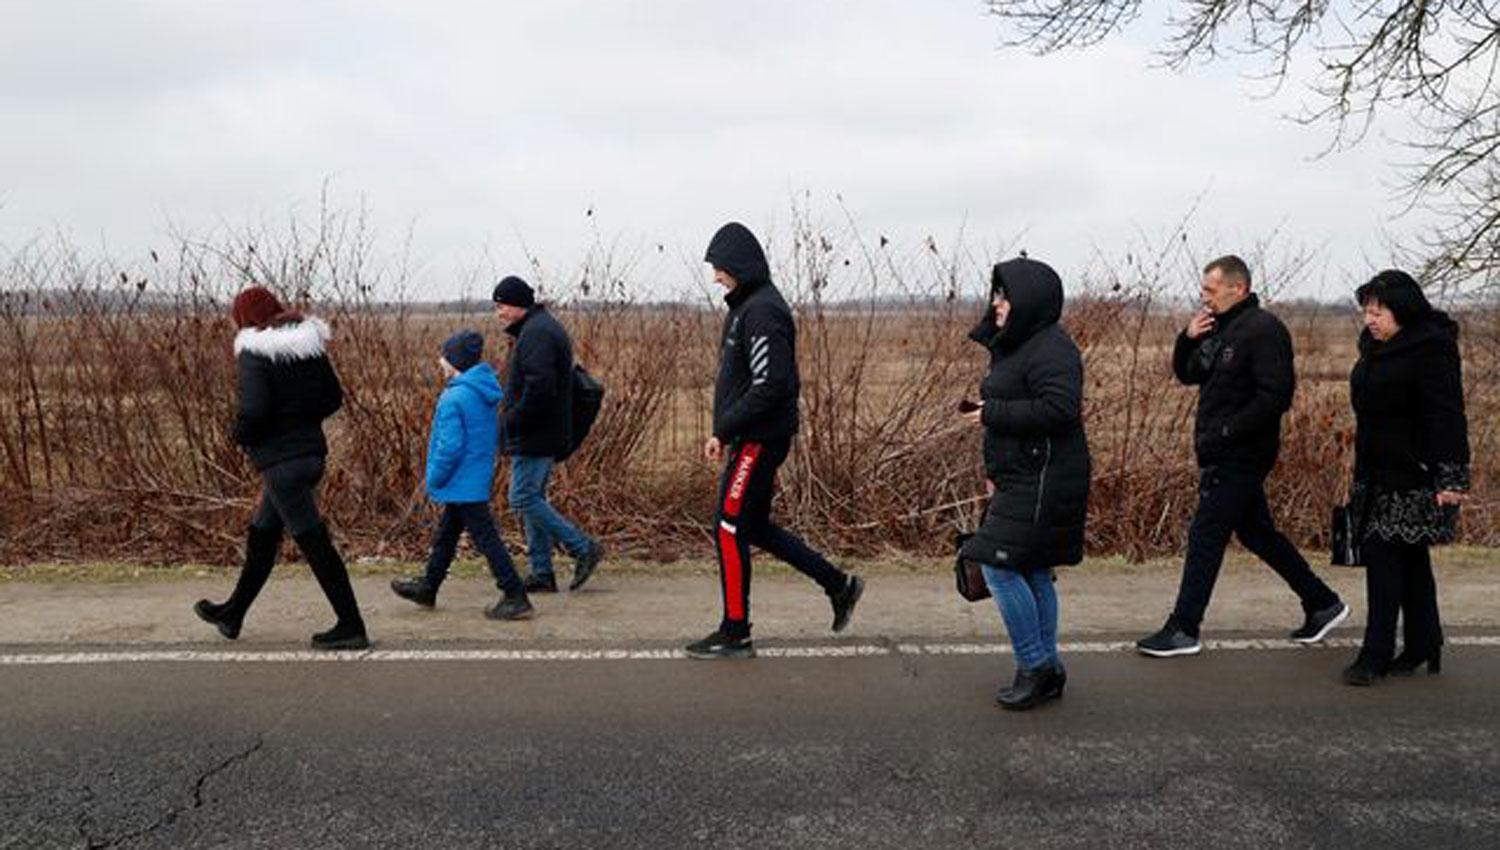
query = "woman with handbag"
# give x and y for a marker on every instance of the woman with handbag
(1036, 458)
(1411, 469)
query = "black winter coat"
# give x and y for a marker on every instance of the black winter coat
(287, 387)
(755, 394)
(1244, 371)
(537, 413)
(1035, 450)
(1411, 434)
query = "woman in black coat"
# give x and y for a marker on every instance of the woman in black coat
(1036, 459)
(1411, 469)
(287, 387)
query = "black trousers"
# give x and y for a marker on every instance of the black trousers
(1399, 582)
(1233, 501)
(743, 518)
(288, 499)
(288, 503)
(479, 521)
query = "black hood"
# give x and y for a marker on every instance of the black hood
(736, 250)
(1035, 293)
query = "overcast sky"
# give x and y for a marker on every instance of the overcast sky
(480, 124)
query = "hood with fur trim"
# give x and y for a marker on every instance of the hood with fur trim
(302, 340)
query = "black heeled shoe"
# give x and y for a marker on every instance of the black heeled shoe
(1032, 688)
(1407, 662)
(1364, 672)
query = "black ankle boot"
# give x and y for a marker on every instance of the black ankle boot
(1408, 661)
(1058, 680)
(342, 636)
(1032, 688)
(512, 606)
(1365, 671)
(416, 589)
(328, 568)
(261, 548)
(218, 616)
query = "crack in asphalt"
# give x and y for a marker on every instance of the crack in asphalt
(234, 758)
(171, 815)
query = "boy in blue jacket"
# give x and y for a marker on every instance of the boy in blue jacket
(460, 470)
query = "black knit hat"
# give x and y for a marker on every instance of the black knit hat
(463, 350)
(514, 292)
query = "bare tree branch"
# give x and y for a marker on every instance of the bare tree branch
(1433, 61)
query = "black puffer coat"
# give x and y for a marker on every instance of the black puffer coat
(1035, 450)
(287, 387)
(537, 413)
(1411, 435)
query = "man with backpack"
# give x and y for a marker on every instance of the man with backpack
(537, 418)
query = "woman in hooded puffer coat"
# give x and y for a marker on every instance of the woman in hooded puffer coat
(1036, 458)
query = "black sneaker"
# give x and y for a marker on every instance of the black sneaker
(1319, 623)
(585, 564)
(720, 645)
(219, 617)
(1168, 642)
(511, 607)
(537, 584)
(415, 589)
(342, 636)
(845, 600)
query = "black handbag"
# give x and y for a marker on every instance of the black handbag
(1345, 532)
(1345, 539)
(968, 574)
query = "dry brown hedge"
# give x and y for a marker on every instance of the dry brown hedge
(116, 388)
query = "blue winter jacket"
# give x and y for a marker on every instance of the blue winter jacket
(465, 428)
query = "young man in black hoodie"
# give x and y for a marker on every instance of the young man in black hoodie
(1240, 358)
(755, 417)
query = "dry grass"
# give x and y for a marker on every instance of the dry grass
(114, 407)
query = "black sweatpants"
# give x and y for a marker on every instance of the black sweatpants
(1399, 582)
(479, 521)
(1233, 501)
(743, 519)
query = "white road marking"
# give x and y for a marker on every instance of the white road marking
(855, 650)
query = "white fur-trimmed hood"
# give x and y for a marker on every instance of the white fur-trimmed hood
(302, 340)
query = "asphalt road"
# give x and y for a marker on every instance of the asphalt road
(1232, 749)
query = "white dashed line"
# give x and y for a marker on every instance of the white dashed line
(158, 656)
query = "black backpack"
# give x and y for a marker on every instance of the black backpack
(588, 398)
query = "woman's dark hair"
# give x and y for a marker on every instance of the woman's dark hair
(1398, 292)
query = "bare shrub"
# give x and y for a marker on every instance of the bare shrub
(116, 388)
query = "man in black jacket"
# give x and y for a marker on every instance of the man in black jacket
(1240, 358)
(536, 420)
(755, 417)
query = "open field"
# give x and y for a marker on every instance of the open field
(114, 414)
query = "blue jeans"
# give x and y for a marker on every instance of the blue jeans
(1028, 604)
(545, 527)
